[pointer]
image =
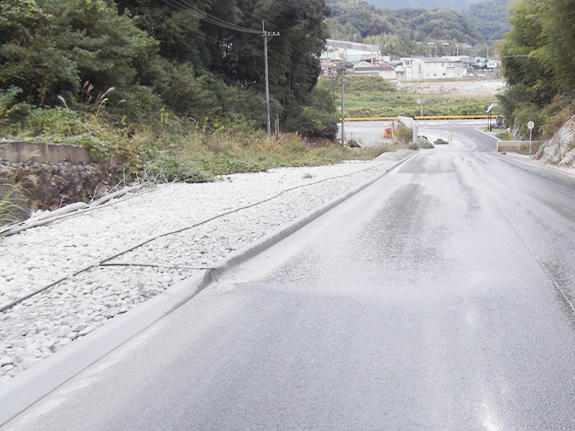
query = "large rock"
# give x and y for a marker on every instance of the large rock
(560, 149)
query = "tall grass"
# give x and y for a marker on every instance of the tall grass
(13, 204)
(172, 148)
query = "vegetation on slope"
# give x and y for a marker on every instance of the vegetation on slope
(538, 59)
(162, 57)
(175, 90)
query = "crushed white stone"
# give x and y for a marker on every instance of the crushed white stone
(34, 258)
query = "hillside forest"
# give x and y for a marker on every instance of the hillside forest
(159, 91)
(422, 4)
(538, 61)
(199, 60)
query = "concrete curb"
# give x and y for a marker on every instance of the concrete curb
(531, 161)
(22, 391)
(486, 134)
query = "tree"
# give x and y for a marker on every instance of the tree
(57, 45)
(538, 59)
(559, 33)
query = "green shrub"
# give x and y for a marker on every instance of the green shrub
(504, 136)
(169, 166)
(317, 118)
(367, 84)
(101, 150)
(56, 122)
(12, 112)
(403, 134)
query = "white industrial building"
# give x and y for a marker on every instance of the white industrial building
(418, 68)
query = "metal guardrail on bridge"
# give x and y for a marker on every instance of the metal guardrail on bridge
(424, 117)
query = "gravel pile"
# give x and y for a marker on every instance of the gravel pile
(104, 262)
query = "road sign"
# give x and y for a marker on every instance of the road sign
(530, 125)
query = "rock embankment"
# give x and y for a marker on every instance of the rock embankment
(47, 186)
(560, 150)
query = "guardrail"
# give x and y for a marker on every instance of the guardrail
(425, 117)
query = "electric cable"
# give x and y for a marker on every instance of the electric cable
(106, 261)
(186, 6)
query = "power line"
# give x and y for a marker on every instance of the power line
(517, 56)
(186, 6)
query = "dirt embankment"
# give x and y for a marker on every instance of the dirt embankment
(464, 87)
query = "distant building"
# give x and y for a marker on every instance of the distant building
(383, 70)
(351, 52)
(418, 68)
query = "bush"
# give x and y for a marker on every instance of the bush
(504, 136)
(318, 118)
(139, 103)
(12, 112)
(57, 122)
(403, 134)
(170, 166)
(367, 84)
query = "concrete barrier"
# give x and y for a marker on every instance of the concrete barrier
(517, 146)
(21, 152)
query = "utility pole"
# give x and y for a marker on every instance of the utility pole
(266, 35)
(342, 104)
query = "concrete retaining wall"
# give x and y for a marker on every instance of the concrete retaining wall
(517, 146)
(20, 152)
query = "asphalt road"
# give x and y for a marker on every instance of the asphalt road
(439, 298)
(369, 133)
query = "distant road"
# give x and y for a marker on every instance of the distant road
(369, 133)
(438, 298)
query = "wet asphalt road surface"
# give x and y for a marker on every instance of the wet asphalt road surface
(440, 298)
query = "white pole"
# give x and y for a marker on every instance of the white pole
(342, 105)
(266, 78)
(265, 35)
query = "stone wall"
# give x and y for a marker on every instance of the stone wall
(48, 186)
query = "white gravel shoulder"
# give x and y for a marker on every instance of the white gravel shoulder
(174, 231)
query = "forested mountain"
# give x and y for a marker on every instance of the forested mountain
(490, 18)
(420, 4)
(400, 32)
